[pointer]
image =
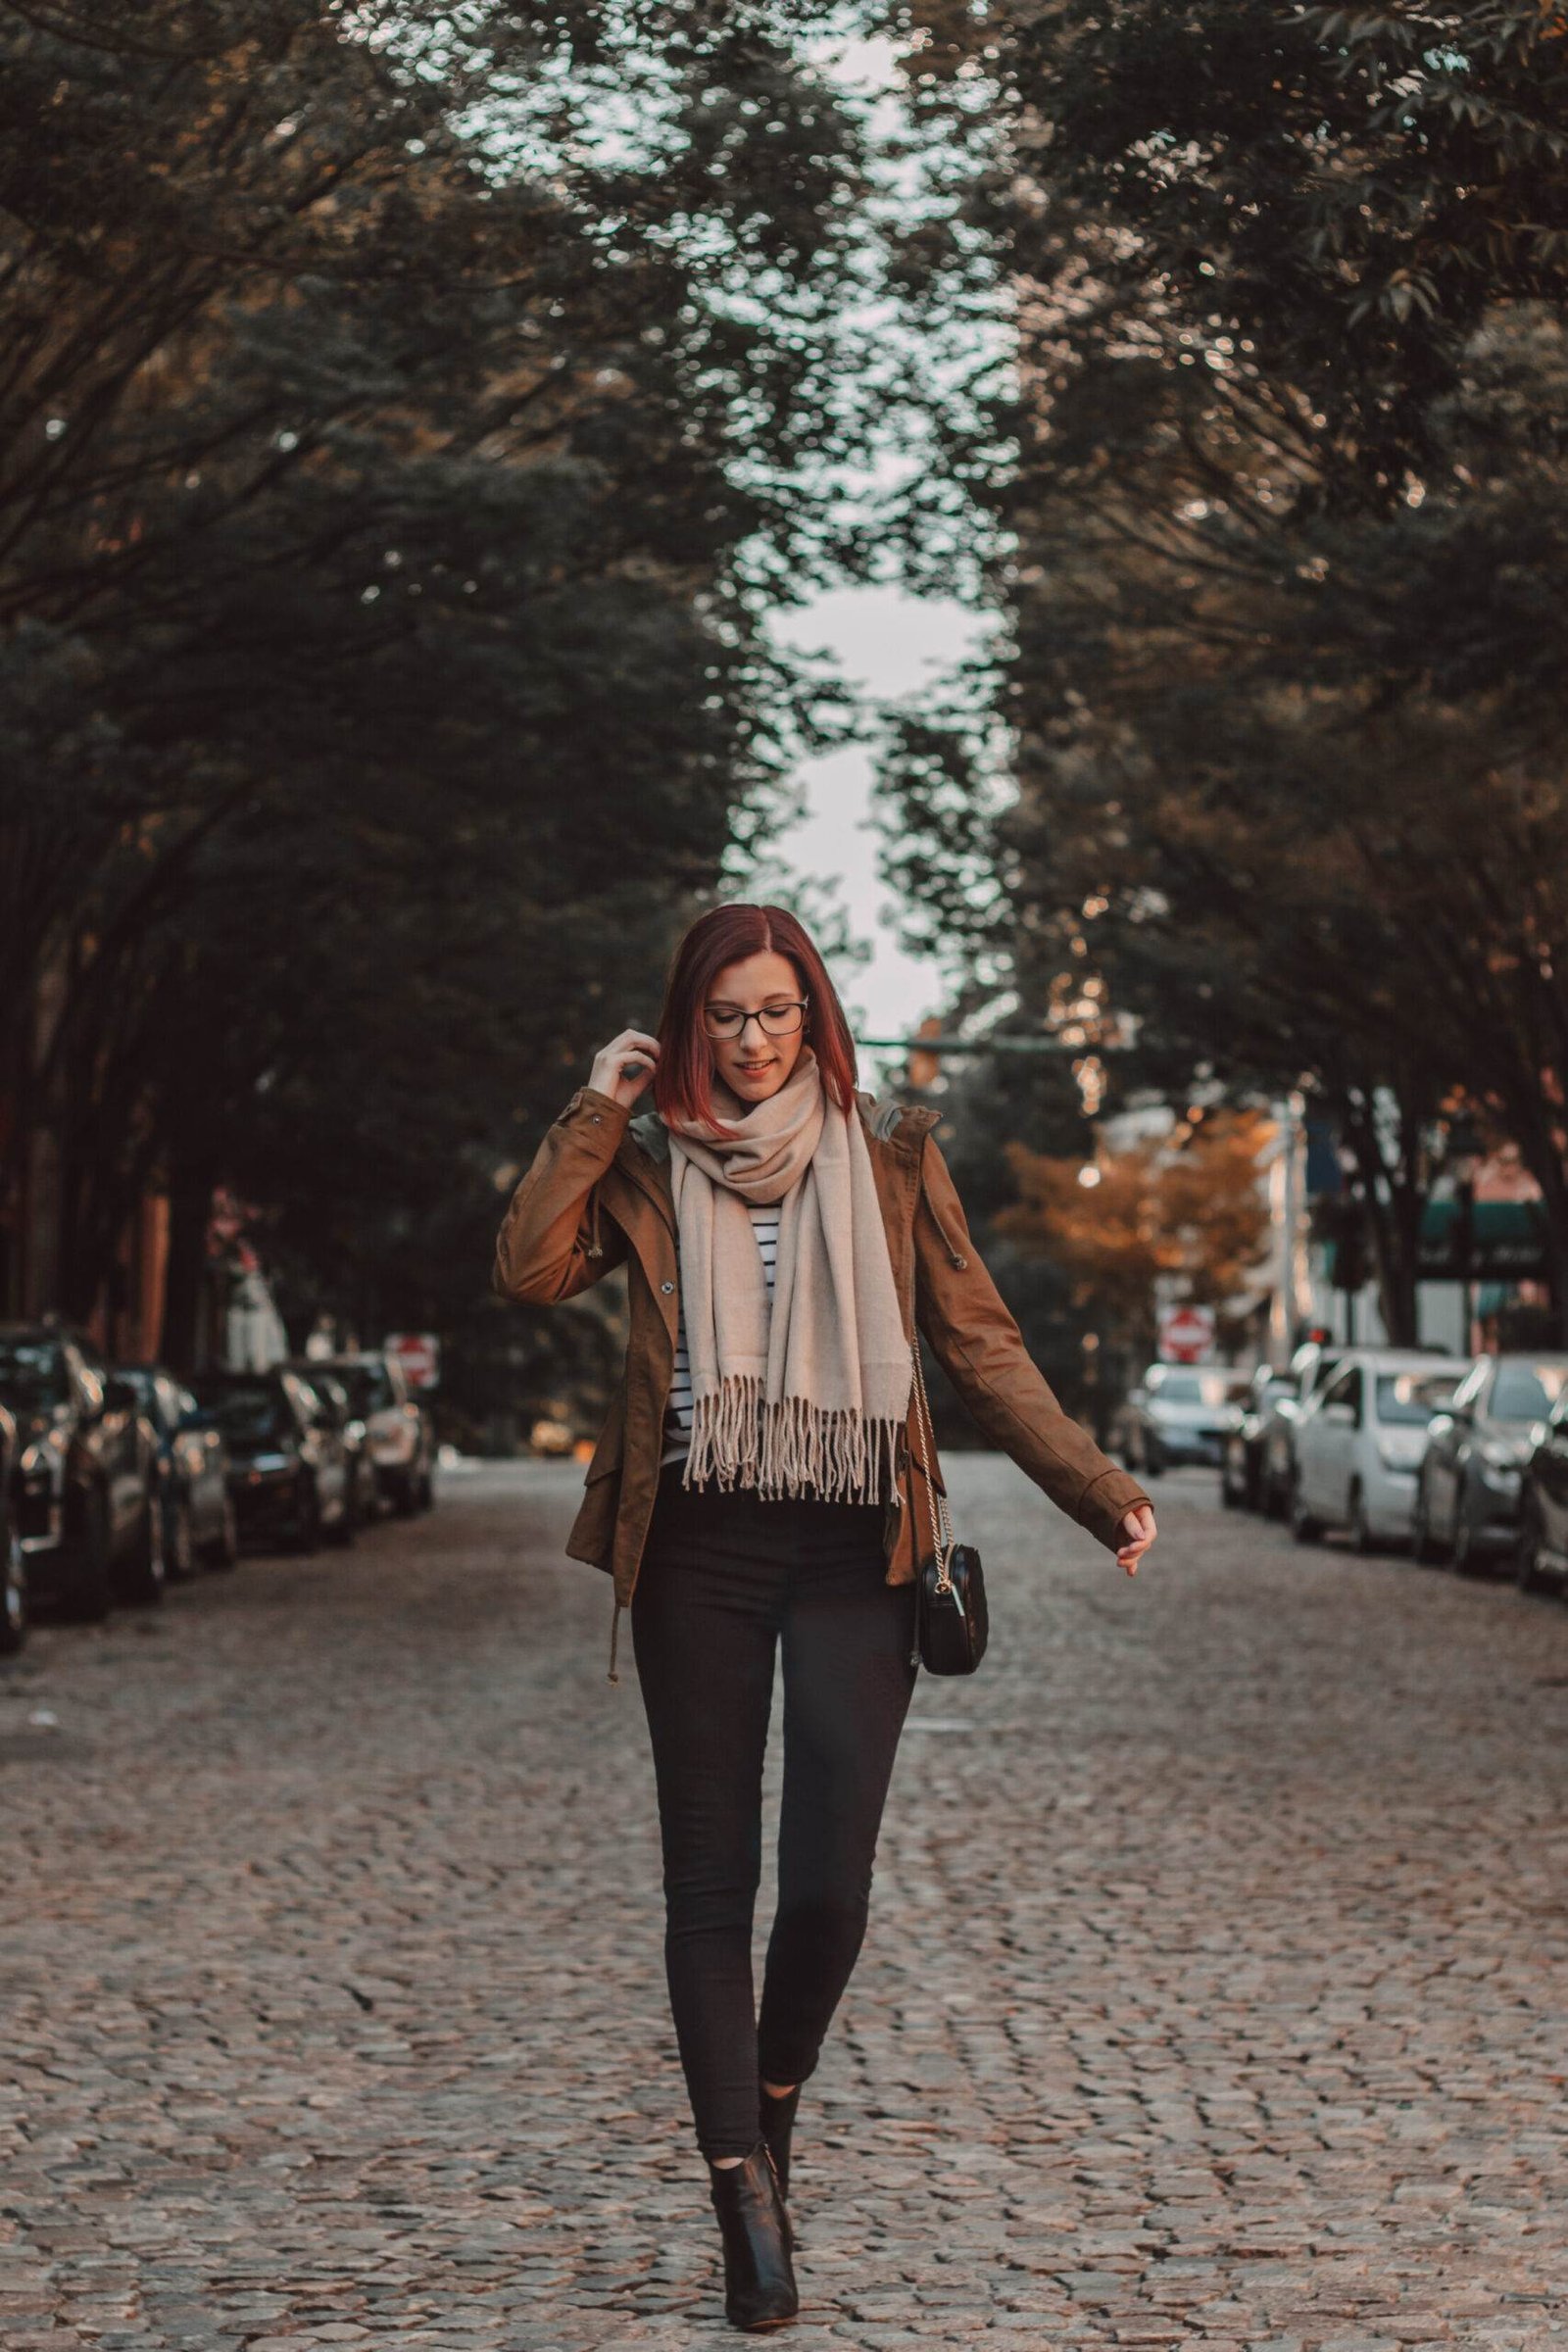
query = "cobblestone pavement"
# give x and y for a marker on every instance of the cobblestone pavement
(1214, 1994)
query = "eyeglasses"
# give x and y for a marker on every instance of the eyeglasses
(774, 1020)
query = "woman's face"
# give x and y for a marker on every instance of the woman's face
(753, 1064)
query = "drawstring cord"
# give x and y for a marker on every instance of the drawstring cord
(615, 1631)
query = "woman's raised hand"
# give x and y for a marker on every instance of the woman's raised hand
(1137, 1532)
(622, 1068)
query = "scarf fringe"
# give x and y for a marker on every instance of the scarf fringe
(790, 1446)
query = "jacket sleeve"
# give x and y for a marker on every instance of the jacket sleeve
(554, 1241)
(979, 1345)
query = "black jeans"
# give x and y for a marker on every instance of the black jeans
(723, 1579)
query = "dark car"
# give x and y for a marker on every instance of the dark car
(84, 1488)
(1472, 1473)
(1541, 1556)
(1241, 1477)
(363, 1486)
(288, 1470)
(401, 1440)
(13, 1563)
(199, 1522)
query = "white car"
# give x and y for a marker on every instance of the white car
(1359, 1439)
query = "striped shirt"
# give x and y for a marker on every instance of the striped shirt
(678, 1415)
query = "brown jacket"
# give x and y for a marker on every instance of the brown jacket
(598, 1195)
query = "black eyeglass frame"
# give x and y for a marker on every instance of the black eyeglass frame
(800, 1004)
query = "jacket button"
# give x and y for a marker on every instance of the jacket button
(667, 1285)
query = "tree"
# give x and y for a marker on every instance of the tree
(1286, 502)
(392, 474)
(1186, 1211)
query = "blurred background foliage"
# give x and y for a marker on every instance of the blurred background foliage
(1275, 481)
(410, 416)
(406, 414)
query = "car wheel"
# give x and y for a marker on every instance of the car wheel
(1468, 1558)
(1362, 1541)
(1304, 1526)
(224, 1549)
(426, 1492)
(1527, 1558)
(13, 1599)
(143, 1579)
(90, 1595)
(1423, 1543)
(406, 1502)
(179, 1545)
(345, 1527)
(307, 1517)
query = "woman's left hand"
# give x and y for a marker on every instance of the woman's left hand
(1137, 1531)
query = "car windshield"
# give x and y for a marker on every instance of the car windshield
(1410, 1399)
(33, 1372)
(1527, 1392)
(249, 1415)
(1198, 1388)
(369, 1387)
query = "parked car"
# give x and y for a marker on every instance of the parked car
(363, 1485)
(1240, 1474)
(199, 1520)
(1178, 1413)
(288, 1465)
(84, 1488)
(12, 1560)
(1313, 1363)
(1472, 1475)
(1541, 1557)
(400, 1439)
(1359, 1439)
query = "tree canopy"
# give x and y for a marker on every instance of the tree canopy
(1283, 553)
(406, 416)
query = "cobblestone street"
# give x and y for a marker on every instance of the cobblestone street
(1215, 1992)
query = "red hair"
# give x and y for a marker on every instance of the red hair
(683, 1083)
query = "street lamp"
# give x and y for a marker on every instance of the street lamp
(1462, 1154)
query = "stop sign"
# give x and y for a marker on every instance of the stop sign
(1186, 1333)
(419, 1353)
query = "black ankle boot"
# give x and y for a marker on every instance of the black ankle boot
(777, 2118)
(759, 2289)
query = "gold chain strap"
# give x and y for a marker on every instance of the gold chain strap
(936, 1502)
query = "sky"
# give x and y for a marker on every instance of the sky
(888, 645)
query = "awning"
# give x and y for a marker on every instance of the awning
(1507, 1241)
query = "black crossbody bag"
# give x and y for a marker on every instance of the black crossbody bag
(950, 1623)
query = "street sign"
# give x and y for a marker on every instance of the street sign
(419, 1353)
(1186, 1333)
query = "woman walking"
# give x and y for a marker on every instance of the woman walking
(760, 1485)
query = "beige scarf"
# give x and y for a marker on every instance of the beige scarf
(813, 1396)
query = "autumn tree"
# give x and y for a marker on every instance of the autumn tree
(1179, 1217)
